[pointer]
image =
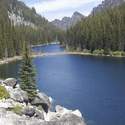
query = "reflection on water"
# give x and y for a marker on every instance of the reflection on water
(9, 70)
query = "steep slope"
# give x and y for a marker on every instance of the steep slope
(67, 22)
(19, 13)
(107, 4)
(19, 23)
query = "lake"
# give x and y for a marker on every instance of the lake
(94, 85)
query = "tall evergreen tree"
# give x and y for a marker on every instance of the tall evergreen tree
(104, 31)
(27, 74)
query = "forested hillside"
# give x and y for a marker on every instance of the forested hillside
(102, 32)
(19, 23)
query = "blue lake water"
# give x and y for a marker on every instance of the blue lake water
(48, 49)
(94, 85)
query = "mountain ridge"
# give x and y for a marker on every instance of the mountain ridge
(20, 14)
(66, 22)
(107, 4)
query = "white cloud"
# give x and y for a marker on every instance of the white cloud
(52, 9)
(54, 5)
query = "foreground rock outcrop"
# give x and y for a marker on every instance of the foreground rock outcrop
(15, 110)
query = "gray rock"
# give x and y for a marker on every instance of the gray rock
(60, 113)
(2, 112)
(43, 100)
(62, 116)
(10, 82)
(67, 119)
(52, 116)
(17, 94)
(29, 111)
(61, 109)
(20, 121)
(6, 104)
(39, 114)
(13, 119)
(70, 119)
(10, 118)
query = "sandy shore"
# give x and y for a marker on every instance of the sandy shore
(11, 59)
(40, 45)
(72, 53)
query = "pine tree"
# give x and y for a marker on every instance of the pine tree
(102, 31)
(27, 74)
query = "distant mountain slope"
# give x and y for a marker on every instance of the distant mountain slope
(19, 23)
(67, 22)
(19, 13)
(107, 4)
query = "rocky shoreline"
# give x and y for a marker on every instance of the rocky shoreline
(15, 109)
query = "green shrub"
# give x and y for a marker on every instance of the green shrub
(107, 51)
(71, 49)
(98, 52)
(3, 93)
(17, 109)
(117, 53)
(86, 51)
(123, 53)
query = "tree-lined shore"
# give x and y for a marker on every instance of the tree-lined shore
(15, 58)
(13, 35)
(103, 32)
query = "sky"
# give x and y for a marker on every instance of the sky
(57, 9)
